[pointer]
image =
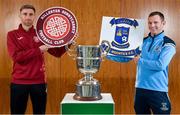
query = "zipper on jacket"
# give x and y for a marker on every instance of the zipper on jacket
(153, 39)
(151, 44)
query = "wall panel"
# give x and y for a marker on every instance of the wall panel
(115, 78)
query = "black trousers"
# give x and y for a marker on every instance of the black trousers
(147, 101)
(19, 98)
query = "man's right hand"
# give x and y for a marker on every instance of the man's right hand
(136, 59)
(43, 48)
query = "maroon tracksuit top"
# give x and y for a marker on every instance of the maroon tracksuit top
(28, 60)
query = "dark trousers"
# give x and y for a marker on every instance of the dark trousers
(19, 98)
(148, 100)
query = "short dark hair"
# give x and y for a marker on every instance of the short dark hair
(27, 6)
(161, 15)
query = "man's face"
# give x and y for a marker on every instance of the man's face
(156, 24)
(27, 17)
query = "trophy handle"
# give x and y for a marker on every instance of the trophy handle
(71, 49)
(105, 48)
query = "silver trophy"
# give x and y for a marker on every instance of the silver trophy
(88, 60)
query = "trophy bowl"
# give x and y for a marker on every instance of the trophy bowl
(88, 61)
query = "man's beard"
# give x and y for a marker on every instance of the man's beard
(28, 23)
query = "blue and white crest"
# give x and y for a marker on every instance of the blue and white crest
(121, 35)
(125, 36)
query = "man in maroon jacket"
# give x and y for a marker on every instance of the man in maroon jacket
(28, 76)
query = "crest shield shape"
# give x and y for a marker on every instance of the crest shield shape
(121, 34)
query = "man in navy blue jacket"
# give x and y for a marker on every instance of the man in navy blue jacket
(152, 69)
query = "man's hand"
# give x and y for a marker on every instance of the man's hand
(44, 48)
(136, 59)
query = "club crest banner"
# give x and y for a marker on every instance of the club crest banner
(124, 35)
(56, 27)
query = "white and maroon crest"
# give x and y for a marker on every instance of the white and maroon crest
(56, 27)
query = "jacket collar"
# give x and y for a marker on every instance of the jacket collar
(22, 29)
(160, 35)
